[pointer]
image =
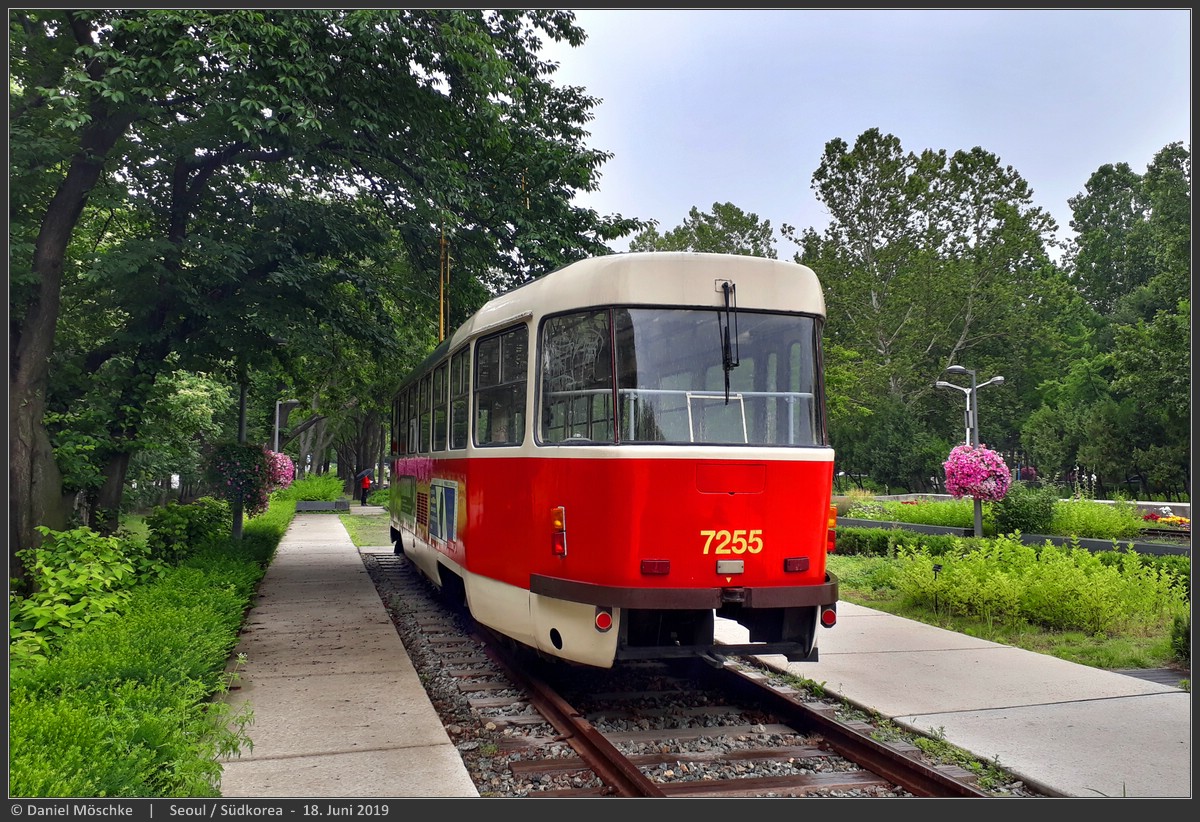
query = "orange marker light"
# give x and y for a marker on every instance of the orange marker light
(831, 532)
(558, 527)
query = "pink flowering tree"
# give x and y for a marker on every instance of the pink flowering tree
(978, 473)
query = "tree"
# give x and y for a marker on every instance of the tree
(929, 260)
(246, 143)
(1113, 255)
(725, 230)
(1131, 261)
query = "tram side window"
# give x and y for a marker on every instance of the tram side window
(577, 381)
(501, 365)
(424, 411)
(394, 423)
(410, 416)
(459, 400)
(440, 410)
(400, 424)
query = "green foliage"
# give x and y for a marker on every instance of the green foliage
(1181, 638)
(184, 413)
(147, 738)
(1026, 508)
(1071, 588)
(182, 627)
(1176, 566)
(262, 534)
(315, 488)
(951, 513)
(241, 472)
(133, 706)
(1089, 519)
(77, 577)
(726, 230)
(884, 542)
(1075, 517)
(178, 531)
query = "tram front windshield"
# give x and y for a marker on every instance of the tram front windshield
(681, 376)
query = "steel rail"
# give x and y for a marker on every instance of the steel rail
(609, 764)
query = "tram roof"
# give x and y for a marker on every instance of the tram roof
(674, 278)
(670, 278)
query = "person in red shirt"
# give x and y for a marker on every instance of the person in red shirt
(365, 488)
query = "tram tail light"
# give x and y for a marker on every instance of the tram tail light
(829, 616)
(831, 532)
(558, 531)
(656, 567)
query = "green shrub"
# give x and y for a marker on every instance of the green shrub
(178, 531)
(1026, 508)
(261, 535)
(1061, 588)
(314, 488)
(1181, 639)
(884, 541)
(158, 737)
(183, 626)
(77, 577)
(128, 706)
(1089, 519)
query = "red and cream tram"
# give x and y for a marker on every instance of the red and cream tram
(602, 461)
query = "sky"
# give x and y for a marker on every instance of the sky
(714, 106)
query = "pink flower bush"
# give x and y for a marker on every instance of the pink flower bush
(979, 473)
(283, 470)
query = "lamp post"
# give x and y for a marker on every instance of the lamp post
(287, 406)
(972, 434)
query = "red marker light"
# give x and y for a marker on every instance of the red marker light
(828, 617)
(795, 565)
(656, 567)
(604, 620)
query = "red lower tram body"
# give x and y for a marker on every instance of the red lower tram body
(628, 553)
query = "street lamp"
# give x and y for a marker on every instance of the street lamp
(972, 418)
(287, 406)
(967, 414)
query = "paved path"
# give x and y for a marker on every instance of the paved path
(338, 708)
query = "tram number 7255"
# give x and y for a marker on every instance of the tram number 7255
(732, 542)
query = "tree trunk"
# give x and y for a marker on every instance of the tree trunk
(35, 494)
(35, 489)
(106, 513)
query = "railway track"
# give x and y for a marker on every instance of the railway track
(721, 728)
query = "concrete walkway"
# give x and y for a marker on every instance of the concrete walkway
(339, 710)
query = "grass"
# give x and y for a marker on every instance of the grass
(367, 529)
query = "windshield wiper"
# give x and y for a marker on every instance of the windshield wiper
(730, 353)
